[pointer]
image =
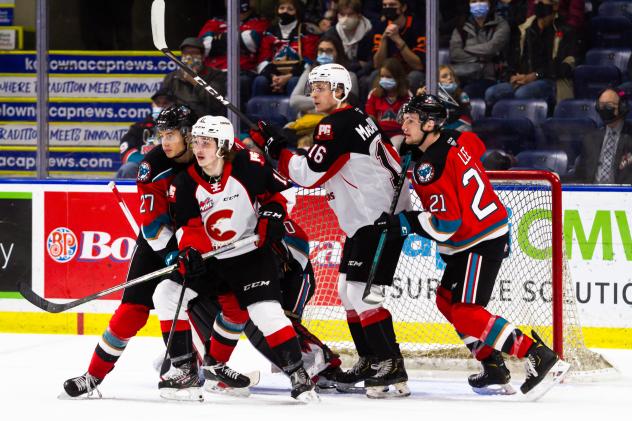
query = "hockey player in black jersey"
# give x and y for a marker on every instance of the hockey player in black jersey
(155, 248)
(223, 197)
(359, 169)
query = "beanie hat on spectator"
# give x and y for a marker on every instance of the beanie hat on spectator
(192, 42)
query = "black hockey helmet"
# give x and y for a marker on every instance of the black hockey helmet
(427, 107)
(176, 117)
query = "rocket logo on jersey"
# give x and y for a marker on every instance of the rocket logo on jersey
(424, 173)
(62, 244)
(144, 171)
(218, 226)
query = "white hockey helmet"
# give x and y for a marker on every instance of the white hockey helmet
(216, 127)
(333, 73)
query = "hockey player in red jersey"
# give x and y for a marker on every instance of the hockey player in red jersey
(359, 169)
(463, 214)
(155, 248)
(225, 196)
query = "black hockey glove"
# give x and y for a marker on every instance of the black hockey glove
(274, 138)
(398, 225)
(270, 226)
(191, 266)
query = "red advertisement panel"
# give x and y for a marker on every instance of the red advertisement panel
(88, 242)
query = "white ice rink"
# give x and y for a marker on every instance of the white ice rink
(33, 368)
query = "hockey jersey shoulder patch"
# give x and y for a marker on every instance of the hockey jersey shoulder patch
(324, 131)
(424, 173)
(144, 172)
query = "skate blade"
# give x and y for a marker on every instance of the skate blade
(350, 388)
(219, 388)
(309, 396)
(495, 389)
(190, 394)
(401, 390)
(66, 397)
(558, 373)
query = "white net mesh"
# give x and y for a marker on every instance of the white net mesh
(522, 294)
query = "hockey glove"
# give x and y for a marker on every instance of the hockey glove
(398, 225)
(191, 265)
(270, 226)
(275, 139)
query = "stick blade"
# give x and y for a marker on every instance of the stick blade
(158, 24)
(39, 302)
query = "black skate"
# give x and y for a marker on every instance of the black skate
(390, 371)
(327, 380)
(346, 381)
(81, 385)
(540, 359)
(494, 379)
(303, 389)
(223, 379)
(181, 382)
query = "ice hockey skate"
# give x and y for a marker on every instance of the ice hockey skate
(540, 360)
(347, 381)
(222, 379)
(494, 379)
(303, 389)
(389, 372)
(82, 385)
(181, 382)
(327, 379)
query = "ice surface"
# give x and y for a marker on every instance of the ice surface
(34, 367)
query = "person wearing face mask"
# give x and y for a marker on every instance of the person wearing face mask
(141, 136)
(286, 47)
(402, 36)
(329, 50)
(390, 92)
(544, 63)
(606, 156)
(354, 32)
(477, 45)
(184, 87)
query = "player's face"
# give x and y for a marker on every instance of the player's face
(172, 142)
(411, 128)
(205, 150)
(323, 97)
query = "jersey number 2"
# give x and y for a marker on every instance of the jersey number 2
(480, 188)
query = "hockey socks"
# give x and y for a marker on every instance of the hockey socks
(181, 343)
(377, 325)
(224, 337)
(126, 321)
(357, 333)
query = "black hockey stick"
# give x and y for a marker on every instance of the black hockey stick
(369, 296)
(50, 307)
(164, 367)
(158, 35)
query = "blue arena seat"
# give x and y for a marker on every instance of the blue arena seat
(444, 56)
(566, 134)
(616, 8)
(478, 108)
(509, 134)
(577, 108)
(273, 108)
(618, 57)
(611, 31)
(534, 109)
(590, 80)
(555, 161)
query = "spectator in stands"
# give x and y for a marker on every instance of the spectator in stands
(184, 87)
(606, 156)
(213, 36)
(321, 12)
(329, 50)
(141, 136)
(354, 32)
(546, 60)
(285, 49)
(457, 101)
(390, 92)
(476, 47)
(402, 36)
(571, 11)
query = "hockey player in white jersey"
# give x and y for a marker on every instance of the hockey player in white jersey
(359, 168)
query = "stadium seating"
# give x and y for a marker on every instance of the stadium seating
(617, 57)
(444, 56)
(566, 134)
(577, 108)
(611, 31)
(478, 108)
(510, 134)
(534, 109)
(273, 108)
(590, 80)
(616, 8)
(555, 161)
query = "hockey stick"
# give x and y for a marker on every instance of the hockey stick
(158, 35)
(51, 307)
(124, 208)
(369, 296)
(163, 367)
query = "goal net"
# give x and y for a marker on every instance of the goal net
(534, 289)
